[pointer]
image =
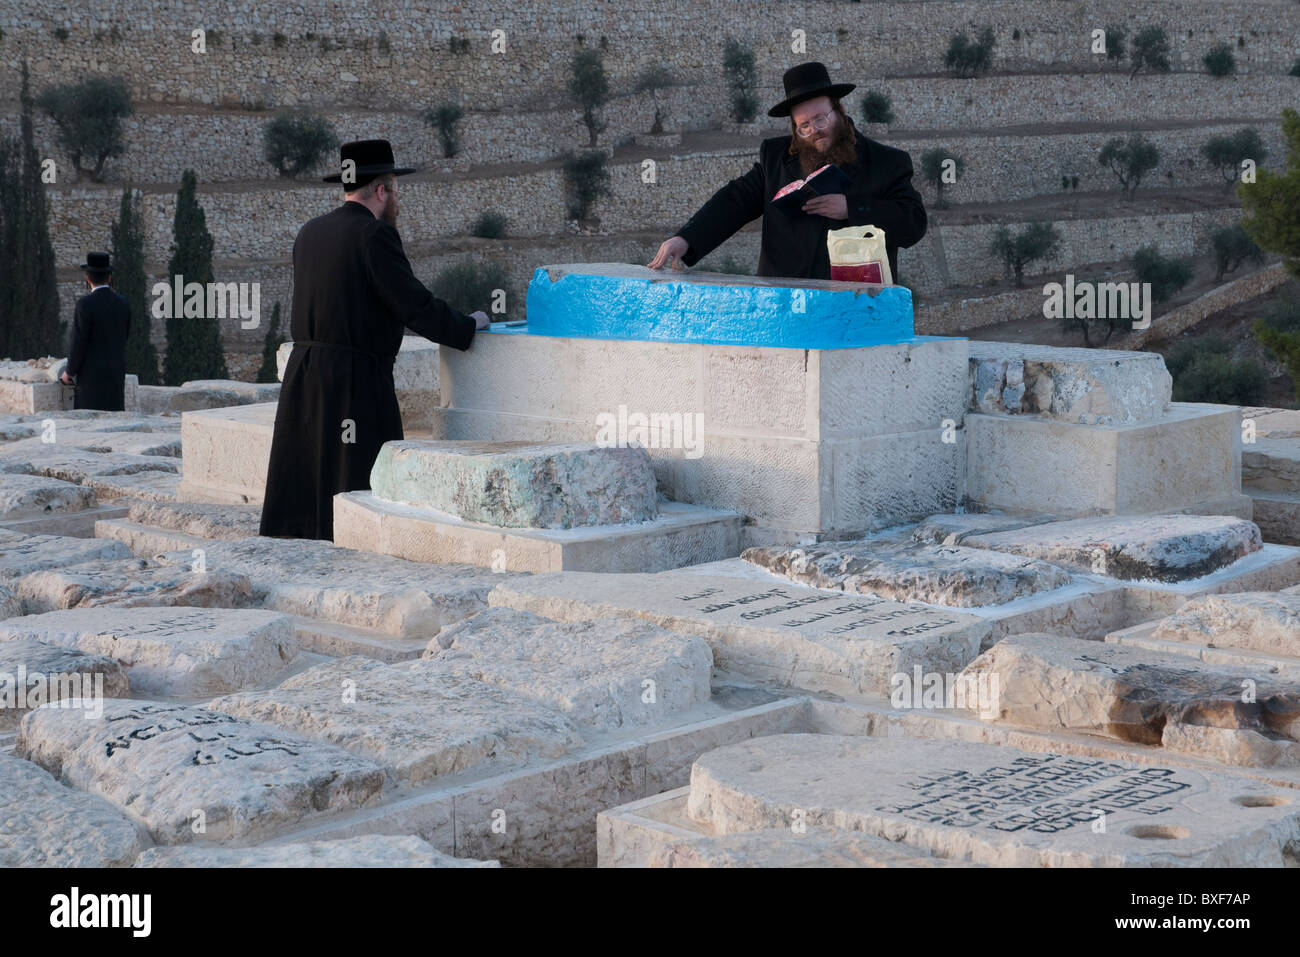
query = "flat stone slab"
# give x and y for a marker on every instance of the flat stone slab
(75, 465)
(953, 529)
(1086, 386)
(173, 766)
(416, 721)
(519, 484)
(219, 522)
(782, 847)
(153, 486)
(1165, 548)
(132, 442)
(33, 673)
(320, 580)
(172, 651)
(46, 824)
(1271, 465)
(129, 583)
(1268, 622)
(789, 634)
(1139, 694)
(621, 301)
(25, 494)
(605, 673)
(939, 574)
(996, 805)
(369, 850)
(35, 552)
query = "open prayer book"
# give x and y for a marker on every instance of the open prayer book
(828, 179)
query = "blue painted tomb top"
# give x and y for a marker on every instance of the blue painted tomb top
(620, 301)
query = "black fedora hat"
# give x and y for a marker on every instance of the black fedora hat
(806, 81)
(373, 158)
(97, 262)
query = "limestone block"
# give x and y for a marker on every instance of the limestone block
(35, 552)
(369, 850)
(227, 453)
(1267, 622)
(129, 583)
(224, 522)
(46, 824)
(604, 673)
(161, 763)
(954, 529)
(519, 485)
(1128, 692)
(1166, 548)
(787, 634)
(171, 651)
(886, 480)
(417, 721)
(33, 457)
(1271, 465)
(166, 444)
(995, 805)
(938, 574)
(782, 847)
(47, 672)
(150, 486)
(621, 301)
(24, 494)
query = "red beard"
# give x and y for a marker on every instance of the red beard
(842, 150)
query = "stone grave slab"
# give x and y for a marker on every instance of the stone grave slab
(154, 486)
(519, 484)
(129, 582)
(76, 465)
(593, 672)
(417, 722)
(227, 453)
(46, 824)
(152, 443)
(952, 529)
(321, 580)
(222, 522)
(938, 574)
(172, 651)
(370, 850)
(770, 631)
(32, 553)
(33, 673)
(1166, 548)
(1138, 694)
(678, 535)
(996, 805)
(1267, 622)
(24, 494)
(161, 763)
(781, 847)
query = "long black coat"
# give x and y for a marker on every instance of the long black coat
(97, 350)
(353, 294)
(794, 242)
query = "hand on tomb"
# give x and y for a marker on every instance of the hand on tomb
(831, 205)
(670, 252)
(481, 320)
(66, 379)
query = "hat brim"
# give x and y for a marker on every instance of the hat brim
(836, 90)
(369, 173)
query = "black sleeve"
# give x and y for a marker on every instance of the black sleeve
(730, 208)
(407, 298)
(898, 209)
(80, 342)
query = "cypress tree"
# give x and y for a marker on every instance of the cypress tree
(193, 343)
(9, 216)
(270, 346)
(130, 281)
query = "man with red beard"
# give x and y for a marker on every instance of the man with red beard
(794, 241)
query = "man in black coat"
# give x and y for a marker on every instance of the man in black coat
(353, 297)
(794, 241)
(101, 322)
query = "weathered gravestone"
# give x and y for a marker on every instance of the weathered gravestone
(370, 850)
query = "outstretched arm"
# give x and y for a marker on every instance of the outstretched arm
(735, 204)
(407, 298)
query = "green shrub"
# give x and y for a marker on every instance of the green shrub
(932, 169)
(738, 64)
(296, 143)
(877, 108)
(1282, 313)
(1220, 61)
(470, 285)
(1232, 246)
(970, 58)
(444, 118)
(89, 119)
(1166, 274)
(489, 226)
(589, 87)
(1129, 159)
(1115, 37)
(1295, 68)
(1226, 153)
(1016, 251)
(586, 179)
(652, 80)
(1150, 51)
(1203, 371)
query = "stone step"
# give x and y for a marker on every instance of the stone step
(1267, 622)
(370, 850)
(146, 540)
(79, 523)
(341, 641)
(1142, 636)
(1271, 465)
(1277, 514)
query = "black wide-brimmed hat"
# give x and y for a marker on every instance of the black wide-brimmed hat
(97, 262)
(805, 82)
(373, 158)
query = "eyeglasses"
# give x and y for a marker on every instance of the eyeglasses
(816, 124)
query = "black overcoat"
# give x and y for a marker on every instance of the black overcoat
(794, 242)
(354, 294)
(101, 322)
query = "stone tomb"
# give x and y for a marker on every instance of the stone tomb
(974, 803)
(127, 583)
(370, 850)
(227, 452)
(33, 673)
(767, 630)
(171, 767)
(522, 506)
(172, 651)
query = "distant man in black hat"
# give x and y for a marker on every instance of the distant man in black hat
(101, 322)
(794, 242)
(354, 295)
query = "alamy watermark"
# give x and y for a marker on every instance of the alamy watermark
(1098, 300)
(654, 430)
(26, 690)
(211, 300)
(935, 690)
